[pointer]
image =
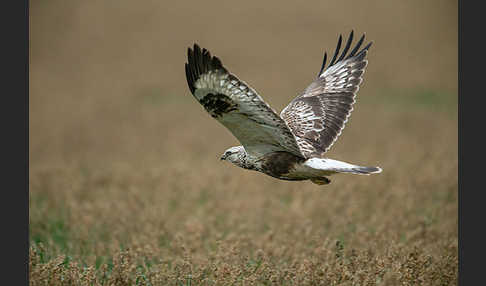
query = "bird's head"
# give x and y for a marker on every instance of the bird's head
(234, 155)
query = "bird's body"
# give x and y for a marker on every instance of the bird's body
(289, 146)
(287, 166)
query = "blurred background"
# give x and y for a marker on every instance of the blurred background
(107, 80)
(114, 130)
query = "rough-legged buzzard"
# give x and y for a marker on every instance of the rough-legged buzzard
(290, 146)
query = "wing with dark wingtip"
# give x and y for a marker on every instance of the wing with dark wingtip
(318, 116)
(237, 106)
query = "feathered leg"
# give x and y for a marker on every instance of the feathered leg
(321, 181)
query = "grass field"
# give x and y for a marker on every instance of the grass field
(126, 186)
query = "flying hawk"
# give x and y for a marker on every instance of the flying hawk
(290, 146)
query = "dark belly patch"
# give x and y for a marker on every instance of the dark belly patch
(218, 104)
(277, 164)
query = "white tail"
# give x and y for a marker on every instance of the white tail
(330, 166)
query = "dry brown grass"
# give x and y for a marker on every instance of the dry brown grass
(125, 183)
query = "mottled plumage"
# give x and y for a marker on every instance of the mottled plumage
(289, 146)
(319, 114)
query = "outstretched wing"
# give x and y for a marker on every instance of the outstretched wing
(318, 116)
(237, 106)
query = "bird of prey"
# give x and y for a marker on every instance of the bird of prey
(290, 146)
